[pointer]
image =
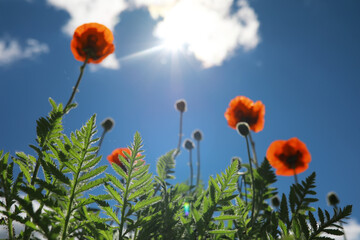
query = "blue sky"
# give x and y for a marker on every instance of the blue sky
(300, 58)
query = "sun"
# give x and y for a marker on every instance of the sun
(173, 32)
(173, 44)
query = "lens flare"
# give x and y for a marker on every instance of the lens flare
(186, 209)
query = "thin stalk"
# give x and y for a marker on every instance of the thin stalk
(295, 177)
(191, 168)
(77, 83)
(252, 180)
(198, 164)
(244, 178)
(180, 136)
(253, 150)
(100, 142)
(239, 185)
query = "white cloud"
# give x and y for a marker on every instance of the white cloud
(109, 62)
(105, 12)
(352, 230)
(11, 51)
(208, 28)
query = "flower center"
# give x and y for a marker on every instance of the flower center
(290, 160)
(91, 40)
(90, 47)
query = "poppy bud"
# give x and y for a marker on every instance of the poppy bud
(188, 144)
(238, 160)
(180, 105)
(197, 135)
(332, 199)
(243, 128)
(275, 201)
(108, 124)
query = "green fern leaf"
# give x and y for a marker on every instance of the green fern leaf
(146, 203)
(92, 174)
(284, 211)
(334, 231)
(321, 216)
(313, 222)
(89, 185)
(114, 194)
(164, 166)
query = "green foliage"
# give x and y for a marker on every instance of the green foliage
(133, 192)
(52, 196)
(9, 190)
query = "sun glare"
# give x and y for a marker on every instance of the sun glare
(173, 44)
(173, 32)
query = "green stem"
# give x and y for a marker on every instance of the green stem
(239, 185)
(180, 136)
(296, 178)
(253, 150)
(198, 164)
(252, 180)
(191, 168)
(37, 166)
(77, 83)
(100, 142)
(126, 195)
(72, 195)
(244, 178)
(10, 227)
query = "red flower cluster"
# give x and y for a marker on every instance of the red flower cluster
(114, 157)
(243, 109)
(92, 40)
(288, 157)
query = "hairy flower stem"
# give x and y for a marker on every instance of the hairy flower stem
(244, 178)
(296, 178)
(198, 164)
(239, 186)
(253, 150)
(191, 167)
(100, 142)
(77, 83)
(180, 136)
(252, 180)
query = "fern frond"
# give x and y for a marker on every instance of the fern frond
(329, 226)
(219, 193)
(135, 189)
(165, 166)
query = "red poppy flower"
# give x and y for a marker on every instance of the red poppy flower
(243, 109)
(114, 157)
(288, 157)
(93, 40)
